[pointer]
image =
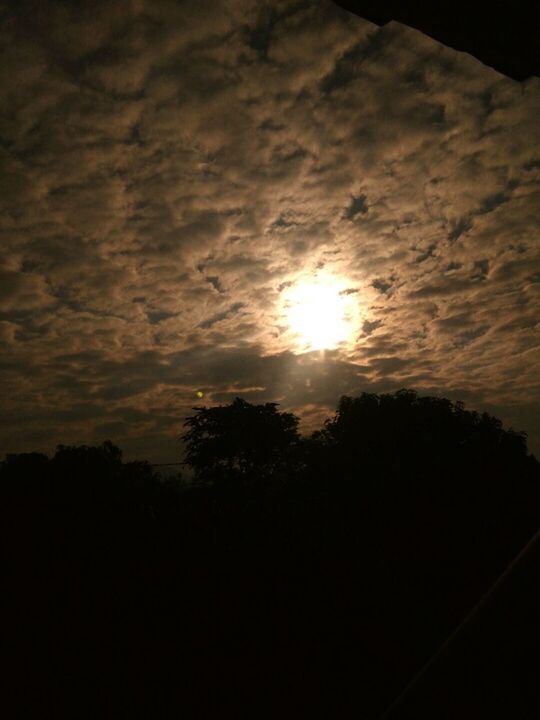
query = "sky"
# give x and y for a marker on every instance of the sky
(169, 171)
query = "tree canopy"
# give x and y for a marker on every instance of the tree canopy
(410, 430)
(372, 435)
(240, 441)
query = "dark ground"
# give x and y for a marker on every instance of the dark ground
(316, 580)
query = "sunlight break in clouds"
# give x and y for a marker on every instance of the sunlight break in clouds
(320, 313)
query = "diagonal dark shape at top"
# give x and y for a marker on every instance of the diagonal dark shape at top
(502, 35)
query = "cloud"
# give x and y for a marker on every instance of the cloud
(22, 291)
(167, 169)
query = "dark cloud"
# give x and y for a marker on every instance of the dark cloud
(357, 206)
(22, 291)
(232, 310)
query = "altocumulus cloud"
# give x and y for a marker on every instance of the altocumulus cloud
(167, 168)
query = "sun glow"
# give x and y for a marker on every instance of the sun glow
(319, 312)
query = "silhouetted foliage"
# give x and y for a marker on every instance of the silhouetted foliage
(411, 434)
(240, 441)
(127, 594)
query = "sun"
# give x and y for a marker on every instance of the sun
(319, 313)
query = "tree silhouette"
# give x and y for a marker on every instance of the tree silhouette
(375, 434)
(240, 441)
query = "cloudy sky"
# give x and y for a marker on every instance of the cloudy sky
(170, 170)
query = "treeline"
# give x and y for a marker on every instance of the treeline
(291, 576)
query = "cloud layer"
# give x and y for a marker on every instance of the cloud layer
(167, 169)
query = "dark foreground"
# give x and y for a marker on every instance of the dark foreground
(316, 580)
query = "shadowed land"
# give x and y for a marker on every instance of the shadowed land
(292, 577)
